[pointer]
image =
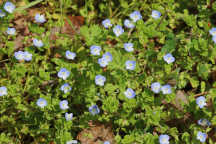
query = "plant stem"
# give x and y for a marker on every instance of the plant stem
(28, 6)
(4, 60)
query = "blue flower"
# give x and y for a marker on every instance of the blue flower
(156, 87)
(107, 56)
(204, 122)
(68, 116)
(27, 56)
(37, 43)
(2, 14)
(128, 47)
(106, 142)
(102, 62)
(40, 18)
(106, 23)
(212, 31)
(214, 39)
(3, 91)
(99, 80)
(166, 89)
(118, 30)
(156, 14)
(128, 24)
(9, 7)
(41, 102)
(201, 101)
(135, 16)
(169, 58)
(65, 88)
(63, 73)
(19, 55)
(95, 50)
(94, 110)
(11, 31)
(130, 65)
(201, 136)
(129, 93)
(63, 104)
(72, 142)
(70, 55)
(164, 139)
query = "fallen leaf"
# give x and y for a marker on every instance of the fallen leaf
(76, 21)
(180, 98)
(96, 134)
(18, 42)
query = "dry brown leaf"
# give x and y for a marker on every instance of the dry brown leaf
(77, 22)
(180, 98)
(18, 42)
(96, 134)
(53, 33)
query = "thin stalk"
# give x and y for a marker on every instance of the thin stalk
(28, 6)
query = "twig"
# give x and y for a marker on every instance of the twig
(28, 6)
(4, 60)
(129, 33)
(200, 94)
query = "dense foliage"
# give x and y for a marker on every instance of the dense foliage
(144, 68)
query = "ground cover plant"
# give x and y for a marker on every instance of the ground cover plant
(107, 72)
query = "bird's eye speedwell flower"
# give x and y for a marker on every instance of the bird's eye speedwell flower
(201, 101)
(2, 14)
(3, 91)
(72, 142)
(99, 80)
(27, 56)
(204, 122)
(70, 55)
(9, 7)
(63, 73)
(95, 50)
(129, 93)
(214, 39)
(94, 110)
(135, 16)
(128, 47)
(102, 62)
(11, 31)
(128, 24)
(130, 65)
(106, 142)
(20, 55)
(118, 30)
(166, 89)
(213, 31)
(68, 116)
(40, 18)
(156, 87)
(65, 88)
(164, 139)
(106, 23)
(156, 14)
(201, 136)
(169, 58)
(37, 43)
(41, 102)
(108, 56)
(63, 104)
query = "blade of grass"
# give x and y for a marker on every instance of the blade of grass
(28, 6)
